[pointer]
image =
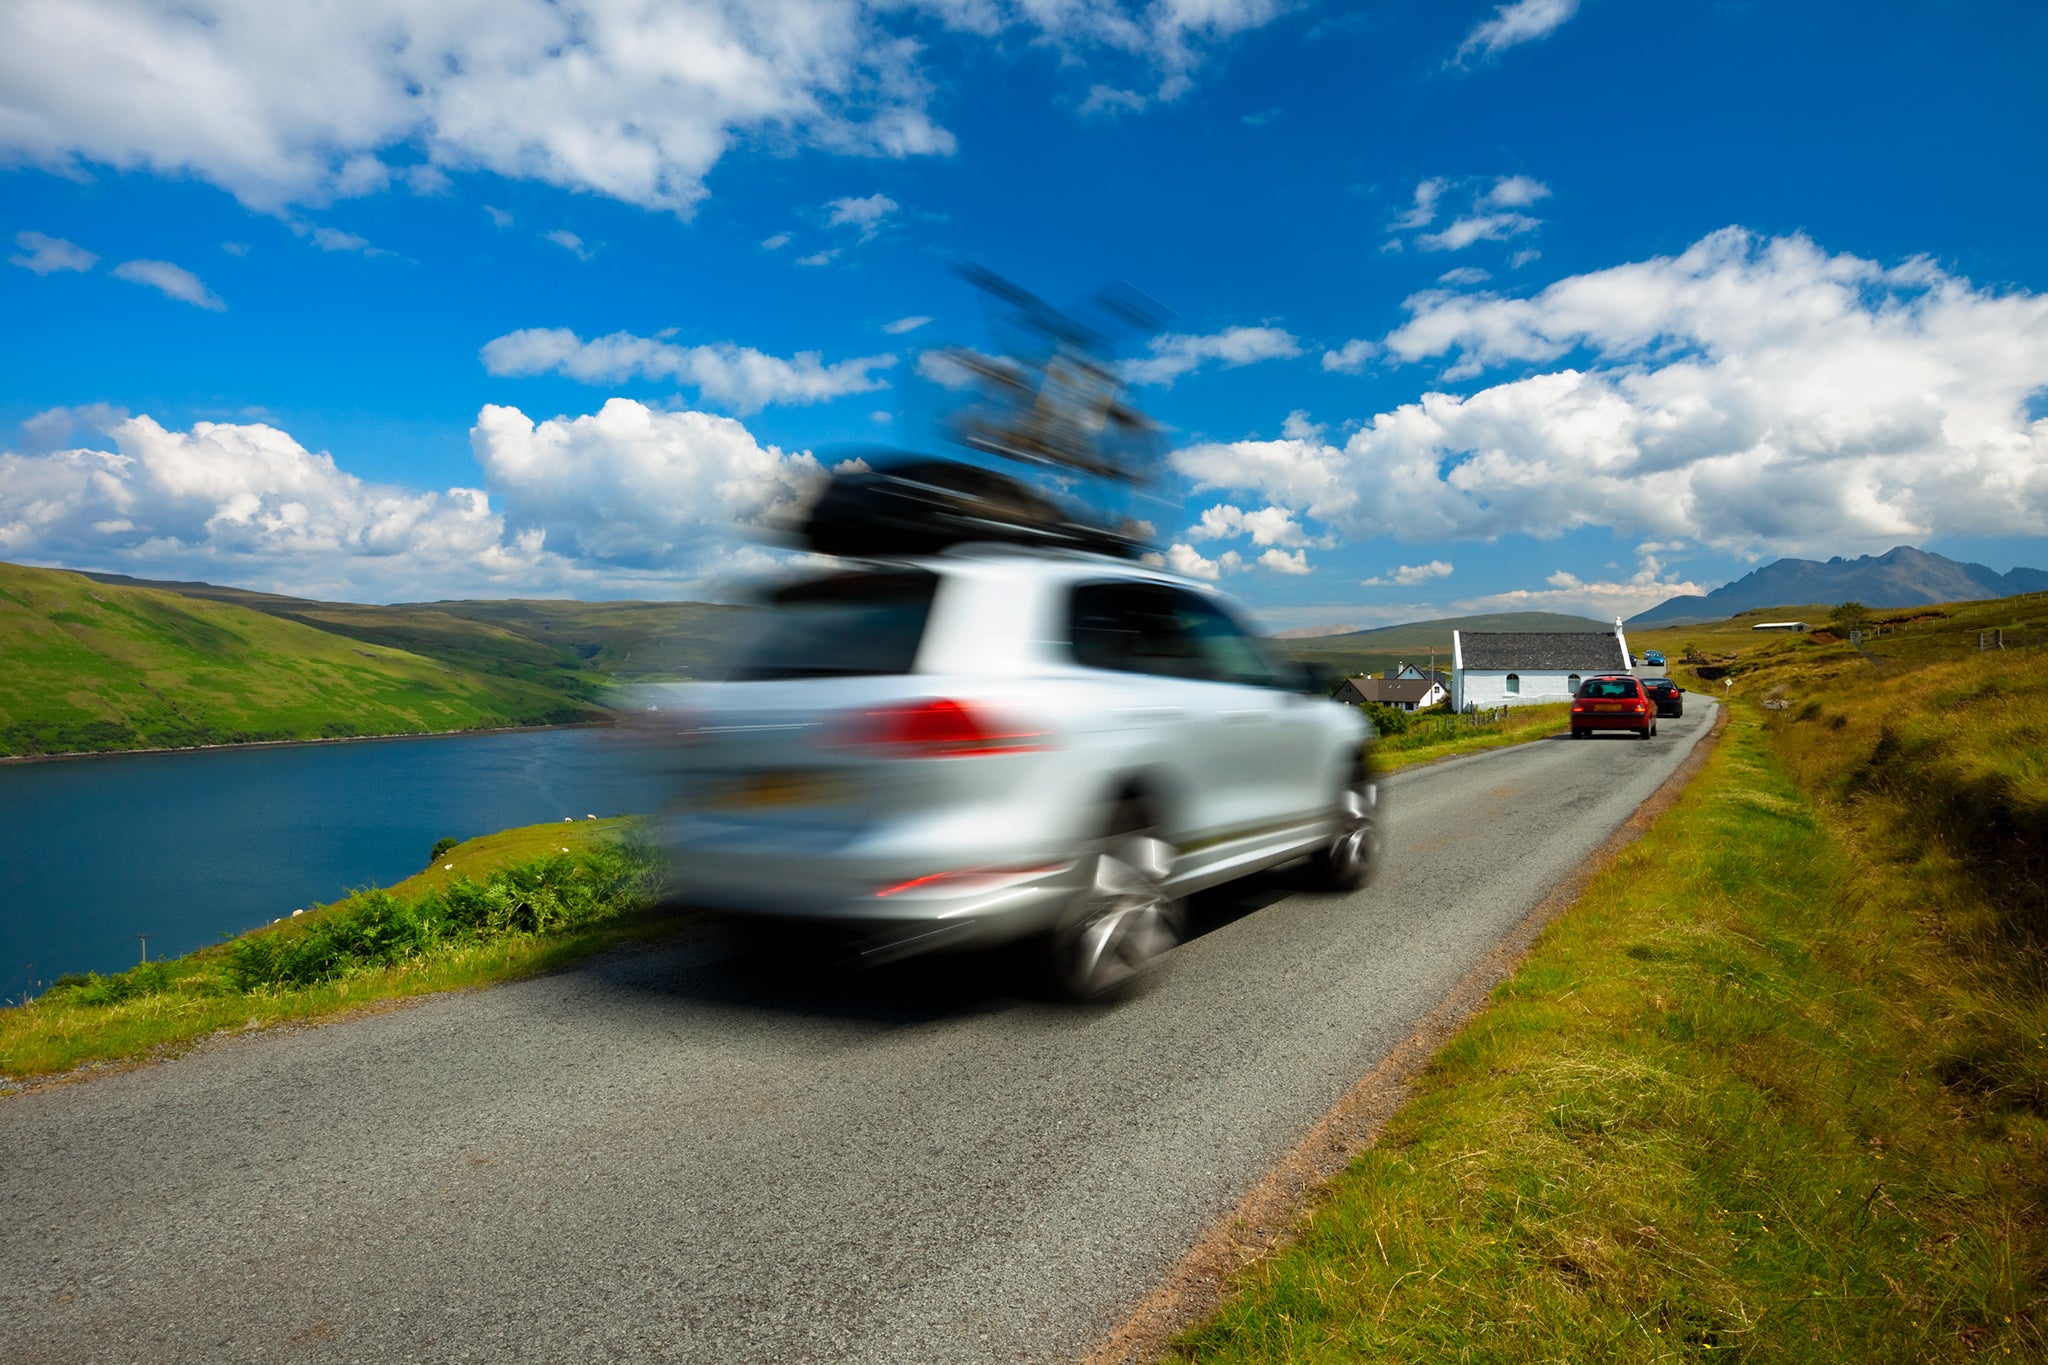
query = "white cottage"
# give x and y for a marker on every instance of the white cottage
(1405, 694)
(1519, 668)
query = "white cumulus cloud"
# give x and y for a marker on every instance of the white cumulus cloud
(1267, 526)
(1514, 192)
(569, 242)
(1285, 561)
(287, 104)
(1489, 211)
(172, 280)
(234, 502)
(627, 499)
(45, 254)
(334, 239)
(1350, 358)
(1623, 597)
(866, 213)
(738, 377)
(1174, 355)
(1480, 227)
(1423, 211)
(630, 484)
(1409, 575)
(941, 368)
(1524, 21)
(1755, 395)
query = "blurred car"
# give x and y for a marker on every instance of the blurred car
(1654, 658)
(1665, 695)
(996, 744)
(1613, 701)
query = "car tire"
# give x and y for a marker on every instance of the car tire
(1351, 859)
(1121, 920)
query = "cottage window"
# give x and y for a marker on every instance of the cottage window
(1573, 681)
(1514, 682)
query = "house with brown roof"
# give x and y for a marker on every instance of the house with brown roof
(1519, 667)
(1407, 694)
(1432, 674)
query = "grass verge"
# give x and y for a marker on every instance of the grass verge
(1434, 737)
(492, 909)
(1708, 1119)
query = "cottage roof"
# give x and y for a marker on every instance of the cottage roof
(1561, 650)
(1395, 691)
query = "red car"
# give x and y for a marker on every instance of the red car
(1613, 701)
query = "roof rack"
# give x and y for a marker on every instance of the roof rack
(923, 506)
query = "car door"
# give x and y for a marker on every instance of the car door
(1277, 744)
(1153, 690)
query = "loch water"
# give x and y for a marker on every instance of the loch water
(192, 847)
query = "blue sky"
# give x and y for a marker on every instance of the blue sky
(1557, 304)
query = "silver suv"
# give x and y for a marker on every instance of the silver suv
(994, 745)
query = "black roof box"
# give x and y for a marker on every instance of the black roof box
(924, 506)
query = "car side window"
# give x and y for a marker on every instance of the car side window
(1229, 652)
(1131, 628)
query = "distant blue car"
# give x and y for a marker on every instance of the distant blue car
(1654, 659)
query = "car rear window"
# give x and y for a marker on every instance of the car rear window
(1608, 688)
(846, 626)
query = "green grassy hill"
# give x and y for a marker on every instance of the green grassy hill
(617, 639)
(560, 644)
(93, 666)
(1709, 653)
(1372, 651)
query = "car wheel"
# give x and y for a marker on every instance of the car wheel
(1352, 857)
(1121, 921)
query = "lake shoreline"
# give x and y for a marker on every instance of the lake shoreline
(237, 835)
(72, 755)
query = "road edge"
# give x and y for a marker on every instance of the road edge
(1270, 1212)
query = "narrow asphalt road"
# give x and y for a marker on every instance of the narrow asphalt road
(682, 1155)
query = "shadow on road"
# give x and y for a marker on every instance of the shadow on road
(722, 966)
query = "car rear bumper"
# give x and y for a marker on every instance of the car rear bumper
(875, 908)
(1610, 720)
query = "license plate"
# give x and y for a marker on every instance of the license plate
(1610, 706)
(770, 790)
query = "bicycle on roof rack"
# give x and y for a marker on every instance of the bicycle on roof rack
(1053, 402)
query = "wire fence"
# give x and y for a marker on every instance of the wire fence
(1989, 641)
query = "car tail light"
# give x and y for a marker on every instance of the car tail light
(941, 728)
(968, 880)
